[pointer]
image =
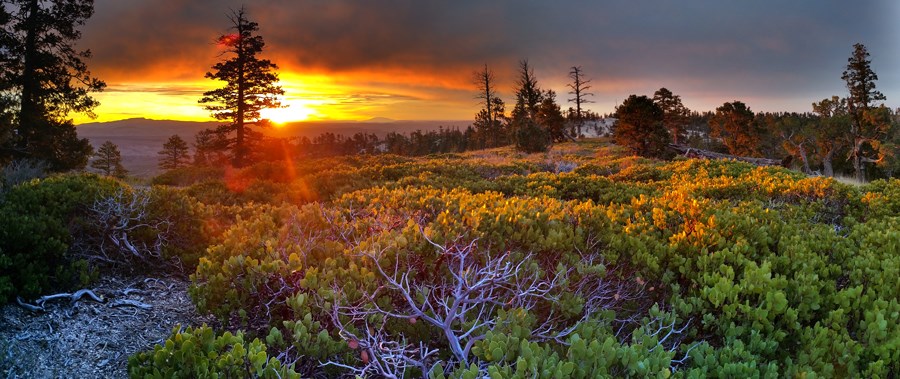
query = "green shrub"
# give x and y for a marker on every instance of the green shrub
(200, 353)
(186, 238)
(186, 176)
(531, 137)
(37, 222)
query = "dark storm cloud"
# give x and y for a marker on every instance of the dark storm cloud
(735, 49)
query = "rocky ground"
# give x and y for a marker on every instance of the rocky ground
(91, 339)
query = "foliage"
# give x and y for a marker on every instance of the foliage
(251, 86)
(108, 160)
(189, 175)
(869, 126)
(20, 171)
(733, 123)
(37, 222)
(48, 78)
(200, 353)
(639, 126)
(636, 267)
(675, 114)
(531, 137)
(860, 80)
(551, 118)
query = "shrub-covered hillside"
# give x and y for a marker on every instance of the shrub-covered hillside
(583, 262)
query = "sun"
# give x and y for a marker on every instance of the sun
(293, 112)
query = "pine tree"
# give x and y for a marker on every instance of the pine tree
(550, 117)
(48, 79)
(530, 136)
(734, 124)
(675, 114)
(174, 154)
(639, 126)
(108, 160)
(867, 126)
(251, 86)
(528, 93)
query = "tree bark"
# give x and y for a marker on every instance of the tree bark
(802, 151)
(826, 163)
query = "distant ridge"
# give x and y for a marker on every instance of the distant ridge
(380, 120)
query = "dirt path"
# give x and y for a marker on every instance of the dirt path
(88, 339)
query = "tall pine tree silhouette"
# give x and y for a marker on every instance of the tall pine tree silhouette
(250, 86)
(45, 79)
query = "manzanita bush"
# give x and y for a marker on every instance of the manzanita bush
(495, 264)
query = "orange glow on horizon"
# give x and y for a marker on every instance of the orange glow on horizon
(309, 97)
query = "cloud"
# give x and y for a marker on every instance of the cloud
(425, 49)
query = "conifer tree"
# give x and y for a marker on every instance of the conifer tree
(550, 117)
(639, 126)
(251, 85)
(675, 114)
(734, 123)
(174, 154)
(45, 79)
(530, 135)
(108, 160)
(868, 125)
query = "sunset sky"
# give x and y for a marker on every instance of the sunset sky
(413, 60)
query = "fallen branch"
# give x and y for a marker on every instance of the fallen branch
(73, 297)
(691, 152)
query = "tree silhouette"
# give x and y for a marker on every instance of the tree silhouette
(639, 126)
(488, 122)
(47, 79)
(530, 135)
(867, 126)
(675, 114)
(579, 87)
(251, 86)
(174, 154)
(108, 160)
(528, 93)
(551, 118)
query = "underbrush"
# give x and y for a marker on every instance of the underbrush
(578, 263)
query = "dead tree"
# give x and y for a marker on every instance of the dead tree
(118, 218)
(691, 152)
(579, 87)
(463, 304)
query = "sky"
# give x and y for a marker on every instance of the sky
(414, 60)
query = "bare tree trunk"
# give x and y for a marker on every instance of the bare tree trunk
(857, 161)
(804, 158)
(826, 163)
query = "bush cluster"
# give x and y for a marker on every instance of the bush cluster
(711, 268)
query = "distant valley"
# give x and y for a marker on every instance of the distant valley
(139, 139)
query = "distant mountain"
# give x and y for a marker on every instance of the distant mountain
(380, 120)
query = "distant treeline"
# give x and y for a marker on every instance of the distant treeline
(772, 135)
